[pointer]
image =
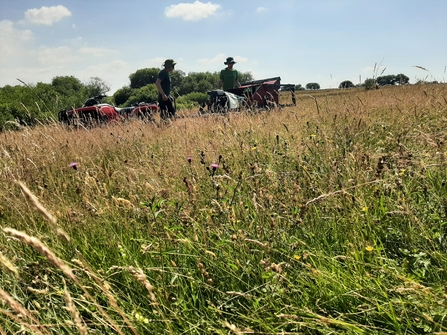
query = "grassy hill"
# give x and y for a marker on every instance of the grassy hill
(328, 217)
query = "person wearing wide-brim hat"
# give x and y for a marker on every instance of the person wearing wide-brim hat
(229, 77)
(163, 84)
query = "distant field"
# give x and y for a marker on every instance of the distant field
(324, 218)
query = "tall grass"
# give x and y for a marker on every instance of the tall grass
(328, 217)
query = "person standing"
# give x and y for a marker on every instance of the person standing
(163, 84)
(229, 77)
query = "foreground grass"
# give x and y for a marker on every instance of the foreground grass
(324, 218)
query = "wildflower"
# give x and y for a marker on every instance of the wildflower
(189, 159)
(74, 165)
(214, 166)
(297, 257)
(369, 248)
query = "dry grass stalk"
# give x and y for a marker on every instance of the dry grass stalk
(141, 277)
(74, 313)
(264, 245)
(35, 202)
(233, 328)
(20, 310)
(340, 191)
(43, 250)
(9, 265)
(19, 321)
(36, 291)
(106, 291)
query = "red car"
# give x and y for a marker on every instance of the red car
(93, 111)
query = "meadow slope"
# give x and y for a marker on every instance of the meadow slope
(328, 217)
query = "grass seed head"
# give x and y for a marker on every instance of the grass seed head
(35, 202)
(41, 249)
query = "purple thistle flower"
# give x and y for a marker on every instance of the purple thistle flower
(214, 166)
(74, 165)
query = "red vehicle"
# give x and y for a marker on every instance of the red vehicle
(263, 93)
(93, 111)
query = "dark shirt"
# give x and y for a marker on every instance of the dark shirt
(165, 82)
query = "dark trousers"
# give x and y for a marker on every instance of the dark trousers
(167, 109)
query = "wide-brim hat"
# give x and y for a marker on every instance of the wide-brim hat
(230, 60)
(169, 63)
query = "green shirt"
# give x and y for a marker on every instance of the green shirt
(229, 78)
(165, 82)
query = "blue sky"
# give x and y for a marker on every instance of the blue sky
(302, 41)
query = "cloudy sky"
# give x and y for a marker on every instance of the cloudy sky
(323, 41)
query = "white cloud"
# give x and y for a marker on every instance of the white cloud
(219, 59)
(191, 11)
(11, 39)
(58, 56)
(47, 15)
(97, 52)
(114, 73)
(240, 59)
(261, 9)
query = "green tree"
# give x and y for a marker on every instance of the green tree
(386, 80)
(122, 95)
(195, 82)
(147, 93)
(392, 79)
(402, 79)
(70, 91)
(245, 77)
(96, 86)
(177, 78)
(143, 77)
(67, 85)
(371, 84)
(312, 86)
(204, 86)
(29, 103)
(346, 84)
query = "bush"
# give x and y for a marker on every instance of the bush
(191, 100)
(147, 93)
(198, 97)
(370, 84)
(312, 86)
(122, 95)
(346, 84)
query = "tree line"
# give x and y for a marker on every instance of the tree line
(388, 80)
(31, 103)
(28, 104)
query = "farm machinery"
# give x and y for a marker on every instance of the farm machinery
(260, 94)
(95, 112)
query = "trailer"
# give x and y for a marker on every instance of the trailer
(259, 94)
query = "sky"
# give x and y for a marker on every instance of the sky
(301, 41)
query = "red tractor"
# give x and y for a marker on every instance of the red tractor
(94, 112)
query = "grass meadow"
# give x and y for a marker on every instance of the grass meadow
(325, 218)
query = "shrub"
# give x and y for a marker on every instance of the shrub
(370, 84)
